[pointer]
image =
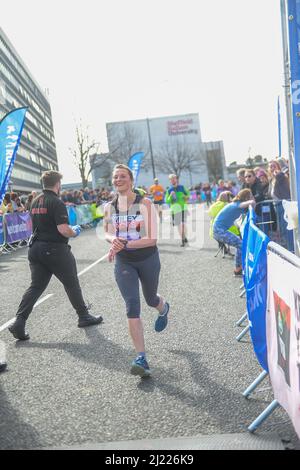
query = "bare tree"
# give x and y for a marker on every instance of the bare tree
(123, 141)
(176, 158)
(214, 164)
(81, 153)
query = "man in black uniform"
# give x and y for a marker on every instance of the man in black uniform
(49, 253)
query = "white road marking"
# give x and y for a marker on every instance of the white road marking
(42, 300)
(6, 325)
(92, 265)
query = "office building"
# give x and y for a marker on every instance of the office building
(37, 151)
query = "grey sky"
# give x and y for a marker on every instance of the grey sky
(114, 60)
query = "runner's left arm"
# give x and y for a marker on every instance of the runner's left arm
(109, 230)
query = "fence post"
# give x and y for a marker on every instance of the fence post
(254, 384)
(242, 319)
(243, 333)
(263, 416)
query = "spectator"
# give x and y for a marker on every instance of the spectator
(6, 206)
(86, 195)
(64, 197)
(240, 174)
(284, 165)
(257, 170)
(16, 203)
(221, 187)
(233, 188)
(226, 218)
(223, 199)
(70, 197)
(253, 183)
(28, 202)
(267, 222)
(207, 192)
(262, 175)
(280, 189)
(279, 181)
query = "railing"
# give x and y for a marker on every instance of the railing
(270, 219)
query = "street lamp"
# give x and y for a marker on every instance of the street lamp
(150, 148)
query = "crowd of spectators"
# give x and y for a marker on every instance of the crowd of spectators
(269, 186)
(265, 183)
(86, 196)
(271, 183)
(13, 202)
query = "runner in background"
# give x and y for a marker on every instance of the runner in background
(157, 192)
(177, 196)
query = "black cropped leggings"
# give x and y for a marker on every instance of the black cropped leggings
(129, 273)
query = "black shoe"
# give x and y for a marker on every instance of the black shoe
(88, 320)
(238, 272)
(17, 329)
(3, 366)
(185, 240)
(182, 243)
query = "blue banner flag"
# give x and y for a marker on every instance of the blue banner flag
(279, 126)
(294, 50)
(134, 164)
(11, 127)
(254, 256)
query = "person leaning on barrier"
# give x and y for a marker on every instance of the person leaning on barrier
(224, 198)
(225, 220)
(49, 253)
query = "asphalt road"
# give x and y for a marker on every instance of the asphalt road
(70, 386)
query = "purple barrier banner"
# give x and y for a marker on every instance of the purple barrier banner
(1, 231)
(18, 226)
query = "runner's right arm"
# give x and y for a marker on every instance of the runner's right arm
(109, 230)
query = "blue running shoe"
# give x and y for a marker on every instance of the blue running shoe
(140, 367)
(162, 319)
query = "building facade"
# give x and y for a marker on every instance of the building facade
(37, 150)
(101, 170)
(215, 158)
(168, 143)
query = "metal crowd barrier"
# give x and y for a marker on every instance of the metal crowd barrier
(270, 219)
(16, 228)
(82, 214)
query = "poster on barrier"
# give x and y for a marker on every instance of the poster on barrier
(18, 226)
(84, 214)
(283, 334)
(1, 231)
(255, 244)
(72, 215)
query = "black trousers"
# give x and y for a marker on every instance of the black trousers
(45, 259)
